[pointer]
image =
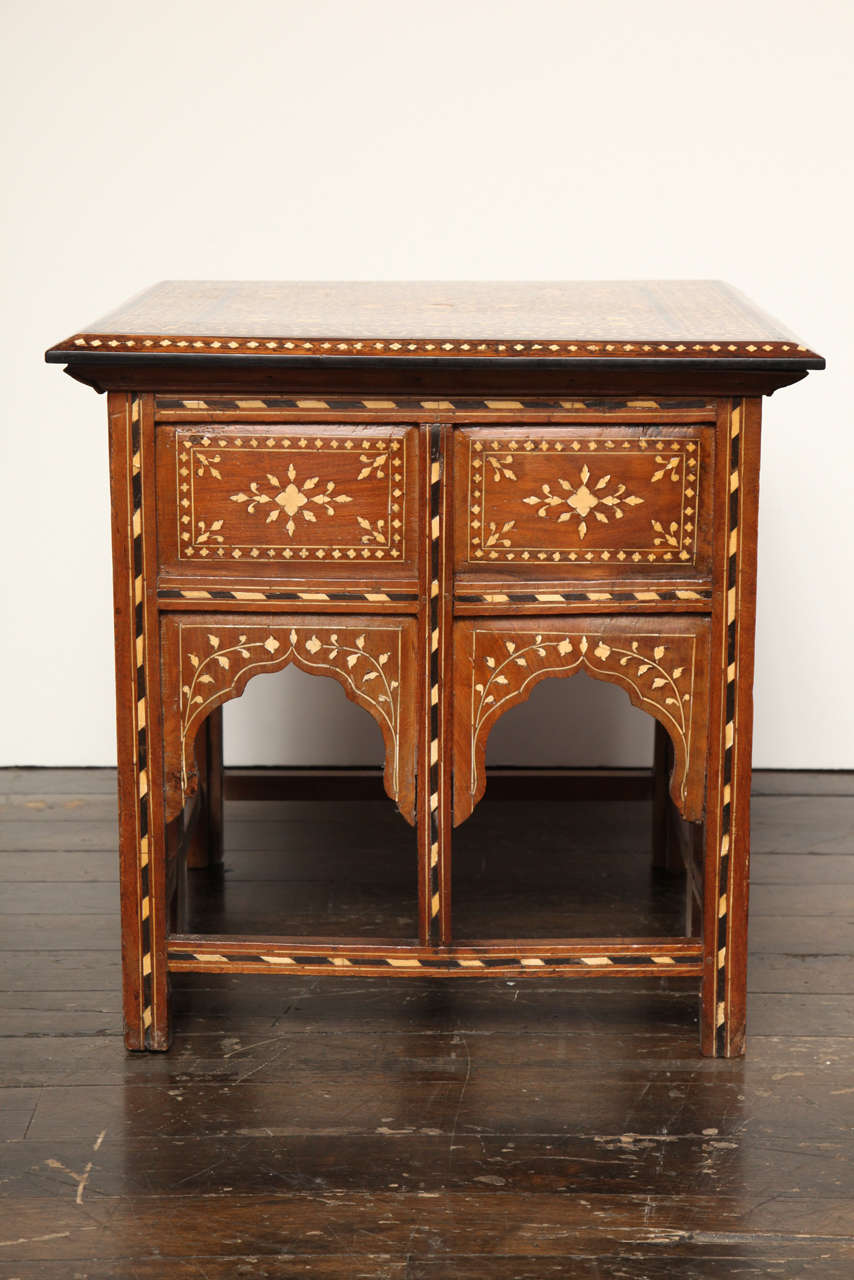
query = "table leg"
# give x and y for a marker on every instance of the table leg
(727, 848)
(142, 850)
(434, 785)
(205, 849)
(214, 788)
(664, 856)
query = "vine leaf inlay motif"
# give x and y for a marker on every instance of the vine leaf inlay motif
(501, 468)
(374, 532)
(661, 675)
(362, 660)
(496, 535)
(206, 465)
(667, 467)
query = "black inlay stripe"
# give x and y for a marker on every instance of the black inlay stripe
(729, 719)
(223, 404)
(469, 964)
(213, 593)
(434, 773)
(141, 692)
(581, 597)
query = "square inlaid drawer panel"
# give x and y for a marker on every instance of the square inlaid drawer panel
(584, 502)
(278, 501)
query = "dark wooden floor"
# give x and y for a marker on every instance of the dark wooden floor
(474, 1129)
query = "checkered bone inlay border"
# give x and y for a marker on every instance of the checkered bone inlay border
(724, 872)
(236, 345)
(494, 404)
(305, 597)
(581, 597)
(434, 778)
(140, 714)
(340, 961)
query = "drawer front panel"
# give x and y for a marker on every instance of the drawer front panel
(268, 503)
(584, 502)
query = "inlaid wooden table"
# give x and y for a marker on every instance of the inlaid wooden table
(438, 495)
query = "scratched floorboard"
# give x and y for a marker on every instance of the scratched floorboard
(475, 1130)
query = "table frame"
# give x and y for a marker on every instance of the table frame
(154, 852)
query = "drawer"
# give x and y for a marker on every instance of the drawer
(584, 502)
(260, 503)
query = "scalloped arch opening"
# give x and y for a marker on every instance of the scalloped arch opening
(543, 730)
(290, 717)
(506, 692)
(214, 660)
(305, 713)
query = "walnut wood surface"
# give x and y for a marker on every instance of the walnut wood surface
(314, 500)
(616, 503)
(585, 318)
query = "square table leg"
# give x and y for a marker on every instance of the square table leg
(727, 847)
(142, 852)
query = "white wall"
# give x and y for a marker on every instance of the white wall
(388, 140)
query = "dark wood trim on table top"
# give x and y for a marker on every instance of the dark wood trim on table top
(203, 374)
(452, 334)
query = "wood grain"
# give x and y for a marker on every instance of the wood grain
(588, 318)
(609, 504)
(438, 495)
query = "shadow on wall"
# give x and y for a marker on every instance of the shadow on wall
(292, 718)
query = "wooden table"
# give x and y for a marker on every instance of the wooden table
(438, 495)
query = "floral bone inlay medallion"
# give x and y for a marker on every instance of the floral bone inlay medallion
(325, 497)
(559, 506)
(582, 500)
(291, 498)
(216, 661)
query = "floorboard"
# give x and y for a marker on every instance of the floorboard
(394, 1130)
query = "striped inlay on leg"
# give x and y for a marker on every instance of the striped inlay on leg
(434, 763)
(141, 718)
(729, 728)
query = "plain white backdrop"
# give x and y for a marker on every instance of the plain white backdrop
(385, 140)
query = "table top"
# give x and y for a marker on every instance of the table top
(646, 320)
